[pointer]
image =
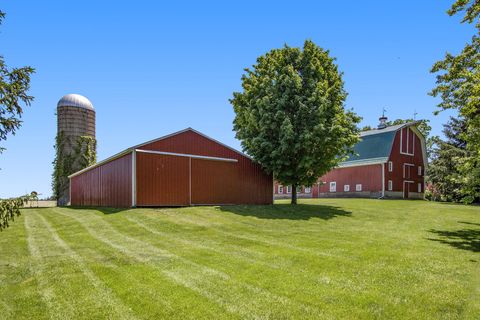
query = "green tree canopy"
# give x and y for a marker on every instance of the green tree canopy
(444, 172)
(14, 86)
(290, 116)
(458, 86)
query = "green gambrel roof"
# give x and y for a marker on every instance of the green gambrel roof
(375, 145)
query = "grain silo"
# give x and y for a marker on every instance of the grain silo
(75, 143)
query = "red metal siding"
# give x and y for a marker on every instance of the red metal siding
(109, 185)
(399, 159)
(245, 180)
(162, 180)
(168, 180)
(214, 182)
(369, 176)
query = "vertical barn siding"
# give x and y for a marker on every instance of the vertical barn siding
(162, 180)
(398, 160)
(214, 182)
(108, 185)
(370, 176)
(251, 185)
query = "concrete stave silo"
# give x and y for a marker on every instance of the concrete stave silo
(75, 138)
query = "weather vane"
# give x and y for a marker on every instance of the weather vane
(383, 112)
(414, 114)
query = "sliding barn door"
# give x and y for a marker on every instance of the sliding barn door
(162, 180)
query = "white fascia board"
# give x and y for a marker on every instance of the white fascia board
(365, 162)
(116, 156)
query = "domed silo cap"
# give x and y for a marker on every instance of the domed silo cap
(75, 100)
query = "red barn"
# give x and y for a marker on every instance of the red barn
(389, 162)
(182, 169)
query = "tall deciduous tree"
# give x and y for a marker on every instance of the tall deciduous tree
(458, 85)
(290, 116)
(14, 86)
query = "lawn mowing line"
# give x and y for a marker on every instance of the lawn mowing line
(197, 245)
(128, 278)
(45, 292)
(251, 237)
(140, 243)
(138, 220)
(254, 291)
(105, 294)
(148, 219)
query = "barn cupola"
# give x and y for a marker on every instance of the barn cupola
(383, 121)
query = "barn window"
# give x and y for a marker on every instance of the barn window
(346, 188)
(419, 170)
(419, 187)
(333, 186)
(390, 185)
(308, 189)
(390, 166)
(407, 141)
(358, 187)
(289, 189)
(299, 189)
(280, 189)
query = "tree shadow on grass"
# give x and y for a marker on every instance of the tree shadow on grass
(465, 239)
(287, 211)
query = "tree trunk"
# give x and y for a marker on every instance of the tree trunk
(294, 194)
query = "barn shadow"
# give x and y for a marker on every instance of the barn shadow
(464, 239)
(287, 211)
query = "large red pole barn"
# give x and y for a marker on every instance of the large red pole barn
(182, 169)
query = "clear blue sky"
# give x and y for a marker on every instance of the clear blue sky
(151, 68)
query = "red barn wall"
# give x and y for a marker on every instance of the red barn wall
(162, 179)
(109, 184)
(399, 158)
(369, 176)
(214, 182)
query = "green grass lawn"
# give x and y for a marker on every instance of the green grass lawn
(342, 259)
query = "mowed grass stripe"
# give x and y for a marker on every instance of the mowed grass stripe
(101, 294)
(302, 278)
(40, 269)
(278, 240)
(315, 274)
(62, 274)
(358, 281)
(227, 251)
(141, 285)
(19, 294)
(240, 298)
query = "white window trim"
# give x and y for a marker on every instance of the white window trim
(390, 185)
(419, 188)
(358, 187)
(346, 188)
(401, 142)
(419, 171)
(280, 189)
(289, 189)
(308, 190)
(333, 186)
(390, 166)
